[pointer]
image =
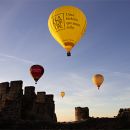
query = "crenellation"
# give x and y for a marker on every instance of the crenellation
(49, 98)
(15, 90)
(4, 88)
(16, 83)
(16, 105)
(41, 97)
(29, 91)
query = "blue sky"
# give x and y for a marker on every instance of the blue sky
(25, 40)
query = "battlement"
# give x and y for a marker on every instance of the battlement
(49, 98)
(4, 88)
(10, 90)
(41, 97)
(15, 90)
(16, 83)
(29, 91)
(15, 104)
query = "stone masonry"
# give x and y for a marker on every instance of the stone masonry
(81, 113)
(124, 113)
(15, 105)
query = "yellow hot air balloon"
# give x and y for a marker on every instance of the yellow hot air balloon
(98, 80)
(67, 24)
(62, 94)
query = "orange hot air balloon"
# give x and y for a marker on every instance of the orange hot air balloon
(36, 71)
(98, 80)
(62, 94)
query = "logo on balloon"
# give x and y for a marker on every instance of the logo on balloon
(58, 21)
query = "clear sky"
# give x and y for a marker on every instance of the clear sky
(25, 40)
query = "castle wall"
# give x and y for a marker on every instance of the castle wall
(124, 113)
(50, 105)
(4, 88)
(28, 101)
(44, 107)
(15, 90)
(11, 99)
(81, 113)
(29, 91)
(41, 97)
(28, 106)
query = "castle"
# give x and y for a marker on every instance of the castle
(124, 113)
(81, 113)
(14, 105)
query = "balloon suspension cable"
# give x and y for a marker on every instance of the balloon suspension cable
(68, 54)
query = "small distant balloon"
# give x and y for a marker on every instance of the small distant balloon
(67, 25)
(98, 79)
(36, 72)
(62, 94)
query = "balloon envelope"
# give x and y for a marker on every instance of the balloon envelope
(36, 71)
(62, 94)
(98, 80)
(67, 24)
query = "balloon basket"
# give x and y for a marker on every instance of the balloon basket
(68, 54)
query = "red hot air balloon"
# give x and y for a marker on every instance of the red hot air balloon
(36, 71)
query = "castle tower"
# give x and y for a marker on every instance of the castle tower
(15, 90)
(29, 91)
(28, 101)
(44, 107)
(11, 99)
(41, 97)
(81, 113)
(4, 88)
(50, 104)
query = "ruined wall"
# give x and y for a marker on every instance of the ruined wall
(16, 105)
(124, 113)
(81, 113)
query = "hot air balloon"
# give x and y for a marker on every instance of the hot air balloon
(36, 71)
(67, 24)
(62, 94)
(98, 80)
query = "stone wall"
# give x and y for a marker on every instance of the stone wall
(81, 113)
(4, 88)
(28, 106)
(124, 113)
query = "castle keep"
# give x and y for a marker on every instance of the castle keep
(15, 105)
